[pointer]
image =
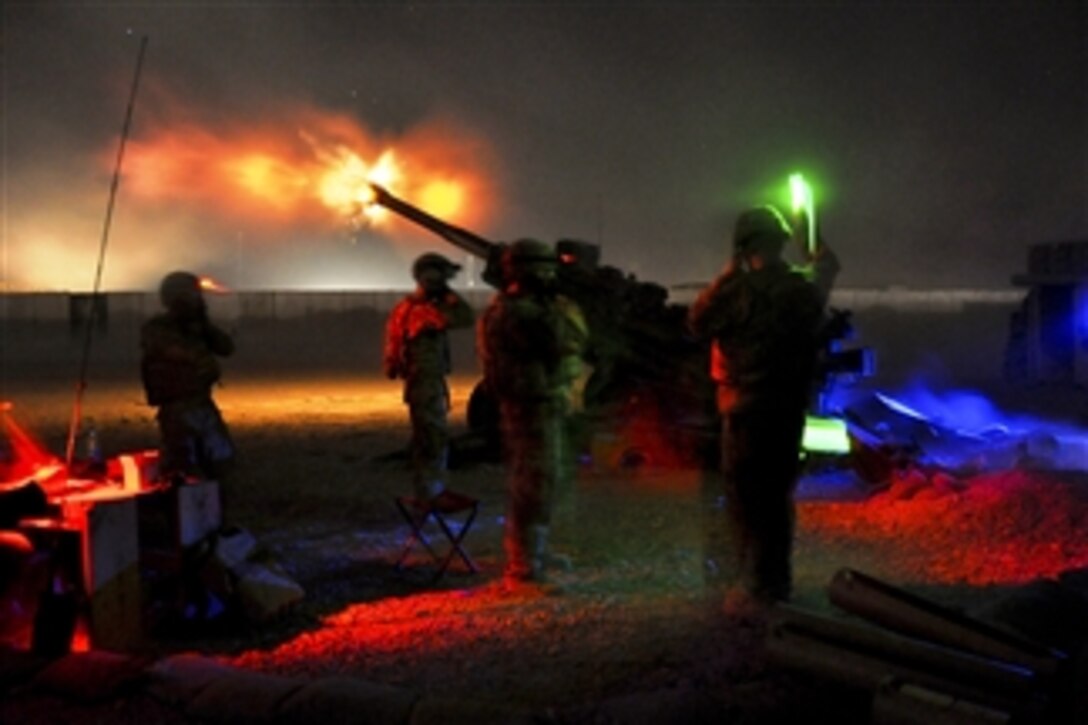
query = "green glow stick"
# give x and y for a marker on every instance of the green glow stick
(802, 198)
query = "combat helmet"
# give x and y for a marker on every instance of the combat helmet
(760, 225)
(180, 290)
(530, 259)
(433, 260)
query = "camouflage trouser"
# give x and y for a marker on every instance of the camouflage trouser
(535, 438)
(428, 408)
(194, 440)
(751, 531)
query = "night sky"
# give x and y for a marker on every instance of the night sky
(944, 138)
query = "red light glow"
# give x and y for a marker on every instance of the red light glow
(646, 439)
(81, 637)
(436, 622)
(1007, 528)
(27, 456)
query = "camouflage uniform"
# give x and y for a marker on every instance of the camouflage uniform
(417, 350)
(179, 368)
(530, 342)
(764, 325)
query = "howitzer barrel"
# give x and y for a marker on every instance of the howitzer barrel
(458, 237)
(901, 611)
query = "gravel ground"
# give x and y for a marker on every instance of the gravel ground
(315, 487)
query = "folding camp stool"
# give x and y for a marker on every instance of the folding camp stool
(417, 512)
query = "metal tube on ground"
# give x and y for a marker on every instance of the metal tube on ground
(906, 613)
(934, 659)
(899, 702)
(793, 648)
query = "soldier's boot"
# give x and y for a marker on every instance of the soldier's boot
(519, 564)
(744, 607)
(543, 557)
(524, 574)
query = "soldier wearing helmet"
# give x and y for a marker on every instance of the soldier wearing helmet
(531, 341)
(417, 351)
(179, 366)
(762, 318)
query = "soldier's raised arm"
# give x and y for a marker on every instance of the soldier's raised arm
(457, 311)
(707, 311)
(218, 340)
(822, 265)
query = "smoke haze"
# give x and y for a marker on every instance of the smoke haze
(943, 138)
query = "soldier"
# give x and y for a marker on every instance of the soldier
(417, 350)
(530, 342)
(763, 319)
(179, 367)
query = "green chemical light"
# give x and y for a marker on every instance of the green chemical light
(825, 435)
(802, 199)
(800, 193)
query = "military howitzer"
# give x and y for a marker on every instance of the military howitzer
(837, 361)
(645, 367)
(576, 258)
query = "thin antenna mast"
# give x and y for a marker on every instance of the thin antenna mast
(81, 382)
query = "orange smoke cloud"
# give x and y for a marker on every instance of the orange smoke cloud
(306, 167)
